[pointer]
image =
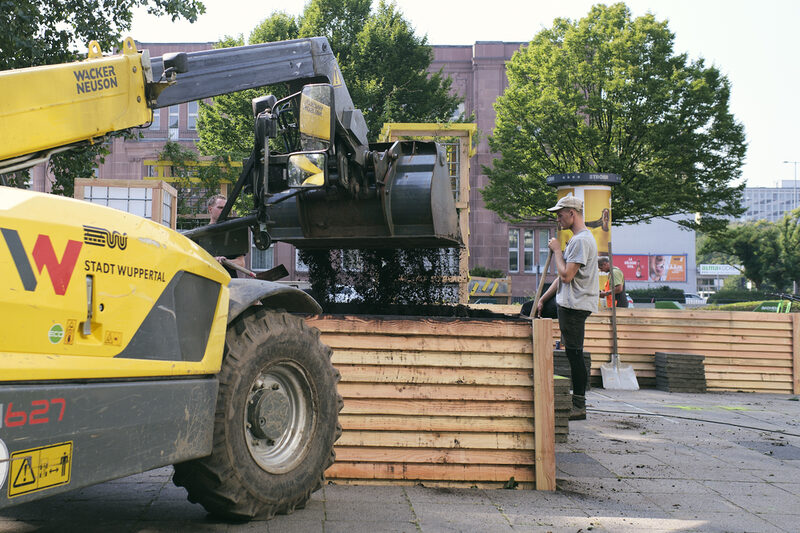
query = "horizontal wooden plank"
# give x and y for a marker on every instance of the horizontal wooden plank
(436, 326)
(423, 407)
(749, 376)
(441, 439)
(747, 361)
(749, 369)
(433, 455)
(442, 376)
(600, 356)
(434, 392)
(694, 335)
(467, 424)
(686, 321)
(424, 472)
(517, 345)
(703, 328)
(685, 346)
(748, 385)
(438, 359)
(474, 485)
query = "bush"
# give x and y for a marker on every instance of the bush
(483, 272)
(745, 306)
(739, 295)
(738, 306)
(663, 293)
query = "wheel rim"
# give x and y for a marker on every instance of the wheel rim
(279, 417)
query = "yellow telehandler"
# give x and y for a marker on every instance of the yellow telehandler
(124, 345)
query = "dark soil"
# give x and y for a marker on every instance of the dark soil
(457, 311)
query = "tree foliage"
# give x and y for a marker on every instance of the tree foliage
(195, 181)
(607, 94)
(45, 32)
(768, 252)
(384, 65)
(226, 126)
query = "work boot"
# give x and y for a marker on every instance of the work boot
(578, 411)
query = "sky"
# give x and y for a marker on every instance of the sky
(755, 44)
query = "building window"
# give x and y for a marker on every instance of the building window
(453, 151)
(191, 118)
(138, 201)
(174, 114)
(156, 124)
(513, 250)
(299, 266)
(544, 237)
(261, 259)
(528, 244)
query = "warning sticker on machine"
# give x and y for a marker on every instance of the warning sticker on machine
(39, 468)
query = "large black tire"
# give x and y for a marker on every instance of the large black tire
(276, 420)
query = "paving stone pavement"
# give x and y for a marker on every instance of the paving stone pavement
(700, 467)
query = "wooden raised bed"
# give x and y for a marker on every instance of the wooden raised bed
(754, 352)
(442, 401)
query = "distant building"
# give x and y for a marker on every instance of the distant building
(770, 203)
(711, 278)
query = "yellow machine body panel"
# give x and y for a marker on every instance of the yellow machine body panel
(49, 106)
(88, 291)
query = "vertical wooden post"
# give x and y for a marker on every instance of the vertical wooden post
(544, 404)
(795, 353)
(155, 207)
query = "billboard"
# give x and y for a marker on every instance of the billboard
(634, 267)
(652, 268)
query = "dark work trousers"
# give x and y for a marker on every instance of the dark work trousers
(572, 323)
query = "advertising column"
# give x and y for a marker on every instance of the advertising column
(595, 191)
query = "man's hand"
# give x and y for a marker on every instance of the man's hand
(554, 244)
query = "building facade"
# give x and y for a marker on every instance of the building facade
(770, 203)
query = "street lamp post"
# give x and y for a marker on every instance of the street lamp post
(794, 200)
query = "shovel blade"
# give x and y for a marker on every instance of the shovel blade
(618, 377)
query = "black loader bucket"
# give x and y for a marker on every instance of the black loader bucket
(413, 208)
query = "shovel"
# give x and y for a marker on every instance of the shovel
(615, 375)
(272, 274)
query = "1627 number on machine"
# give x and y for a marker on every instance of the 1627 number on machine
(39, 412)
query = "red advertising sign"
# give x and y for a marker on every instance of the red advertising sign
(653, 268)
(634, 267)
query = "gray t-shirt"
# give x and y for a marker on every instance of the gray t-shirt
(583, 291)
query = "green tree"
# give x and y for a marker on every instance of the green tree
(789, 244)
(226, 126)
(383, 63)
(607, 94)
(194, 181)
(44, 32)
(756, 246)
(390, 80)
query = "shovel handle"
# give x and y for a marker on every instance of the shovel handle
(613, 300)
(228, 263)
(535, 307)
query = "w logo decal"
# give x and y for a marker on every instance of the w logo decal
(43, 256)
(102, 237)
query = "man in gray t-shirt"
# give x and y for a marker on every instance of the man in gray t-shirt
(577, 290)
